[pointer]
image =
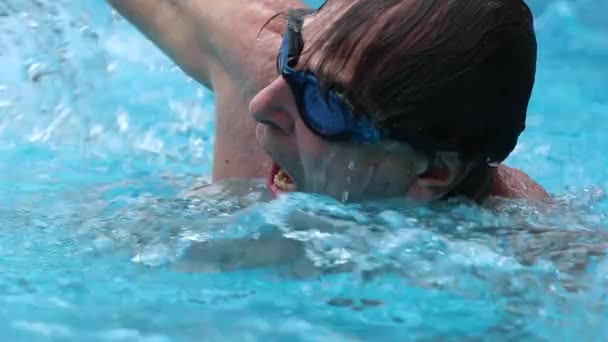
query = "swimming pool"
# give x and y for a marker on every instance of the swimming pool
(108, 232)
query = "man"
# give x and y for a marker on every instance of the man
(363, 98)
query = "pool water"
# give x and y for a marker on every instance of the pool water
(111, 231)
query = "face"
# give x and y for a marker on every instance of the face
(309, 162)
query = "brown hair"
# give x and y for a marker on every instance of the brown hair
(440, 74)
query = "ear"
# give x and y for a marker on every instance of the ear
(442, 175)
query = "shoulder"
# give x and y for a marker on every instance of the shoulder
(513, 183)
(246, 41)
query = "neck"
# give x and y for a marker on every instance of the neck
(477, 185)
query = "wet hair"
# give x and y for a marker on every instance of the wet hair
(454, 75)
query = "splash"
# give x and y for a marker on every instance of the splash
(109, 231)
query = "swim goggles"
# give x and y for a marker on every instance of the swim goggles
(326, 113)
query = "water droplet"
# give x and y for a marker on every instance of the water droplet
(36, 71)
(5, 104)
(122, 120)
(96, 131)
(111, 67)
(345, 195)
(492, 163)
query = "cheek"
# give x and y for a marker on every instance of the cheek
(309, 144)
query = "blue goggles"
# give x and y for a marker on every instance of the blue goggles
(327, 114)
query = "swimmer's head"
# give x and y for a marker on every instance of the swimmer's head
(446, 83)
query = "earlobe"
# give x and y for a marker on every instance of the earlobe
(439, 178)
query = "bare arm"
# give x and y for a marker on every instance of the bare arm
(216, 42)
(168, 24)
(211, 39)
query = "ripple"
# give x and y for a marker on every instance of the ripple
(111, 230)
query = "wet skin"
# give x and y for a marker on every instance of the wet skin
(217, 43)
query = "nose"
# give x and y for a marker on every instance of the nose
(275, 105)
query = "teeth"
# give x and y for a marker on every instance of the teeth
(284, 182)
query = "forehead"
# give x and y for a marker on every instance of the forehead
(315, 30)
(320, 22)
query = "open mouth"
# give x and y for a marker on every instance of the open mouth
(280, 181)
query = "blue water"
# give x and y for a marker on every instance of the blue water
(110, 231)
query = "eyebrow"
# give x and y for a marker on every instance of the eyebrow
(333, 82)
